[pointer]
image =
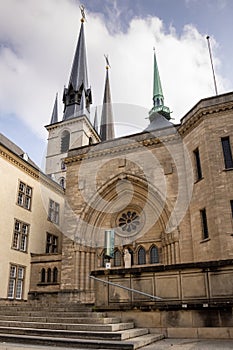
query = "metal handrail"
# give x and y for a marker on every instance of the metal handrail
(127, 288)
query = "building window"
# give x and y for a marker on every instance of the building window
(141, 256)
(62, 182)
(16, 282)
(204, 224)
(226, 147)
(72, 98)
(53, 211)
(129, 221)
(91, 141)
(24, 196)
(51, 244)
(103, 259)
(154, 255)
(63, 165)
(197, 164)
(117, 258)
(65, 141)
(55, 275)
(42, 276)
(49, 274)
(20, 236)
(231, 202)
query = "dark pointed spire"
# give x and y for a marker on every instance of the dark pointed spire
(158, 98)
(96, 121)
(77, 97)
(107, 125)
(54, 117)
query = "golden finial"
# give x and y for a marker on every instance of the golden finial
(107, 62)
(82, 8)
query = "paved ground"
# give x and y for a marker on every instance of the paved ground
(190, 344)
(172, 344)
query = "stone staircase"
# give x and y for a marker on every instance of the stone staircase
(72, 325)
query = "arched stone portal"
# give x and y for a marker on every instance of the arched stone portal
(137, 212)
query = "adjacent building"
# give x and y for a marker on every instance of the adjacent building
(32, 213)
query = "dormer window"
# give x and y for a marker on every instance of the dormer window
(72, 98)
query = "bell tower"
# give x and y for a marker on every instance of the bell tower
(75, 129)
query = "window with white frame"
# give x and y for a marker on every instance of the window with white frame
(16, 282)
(20, 236)
(24, 195)
(54, 208)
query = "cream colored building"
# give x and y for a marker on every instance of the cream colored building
(31, 216)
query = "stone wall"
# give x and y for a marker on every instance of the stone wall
(184, 286)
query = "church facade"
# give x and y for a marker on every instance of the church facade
(166, 192)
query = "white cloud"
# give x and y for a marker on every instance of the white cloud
(37, 47)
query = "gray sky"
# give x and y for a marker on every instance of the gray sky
(38, 39)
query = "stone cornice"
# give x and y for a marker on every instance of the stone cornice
(215, 264)
(72, 121)
(118, 146)
(50, 183)
(203, 110)
(19, 163)
(29, 169)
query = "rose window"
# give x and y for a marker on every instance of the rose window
(129, 221)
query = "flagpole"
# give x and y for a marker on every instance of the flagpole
(211, 60)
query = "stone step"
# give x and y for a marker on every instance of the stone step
(119, 335)
(69, 325)
(144, 340)
(74, 319)
(20, 308)
(114, 327)
(44, 313)
(132, 344)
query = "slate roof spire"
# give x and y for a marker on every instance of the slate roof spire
(107, 131)
(158, 98)
(54, 117)
(96, 121)
(77, 97)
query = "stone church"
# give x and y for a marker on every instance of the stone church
(166, 193)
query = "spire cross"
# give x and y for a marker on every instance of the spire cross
(107, 62)
(82, 8)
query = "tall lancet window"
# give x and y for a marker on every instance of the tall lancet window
(65, 141)
(141, 256)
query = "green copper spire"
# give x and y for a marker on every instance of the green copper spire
(157, 91)
(158, 98)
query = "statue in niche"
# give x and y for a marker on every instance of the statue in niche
(127, 258)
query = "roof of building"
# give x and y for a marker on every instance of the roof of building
(158, 98)
(107, 131)
(54, 117)
(78, 88)
(11, 146)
